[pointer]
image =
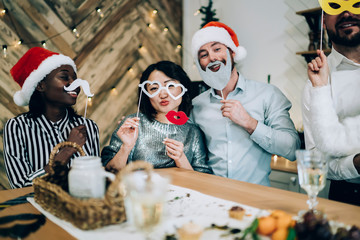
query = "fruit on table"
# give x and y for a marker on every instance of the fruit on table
(276, 225)
(316, 227)
(280, 234)
(267, 225)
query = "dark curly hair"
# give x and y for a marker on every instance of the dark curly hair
(174, 71)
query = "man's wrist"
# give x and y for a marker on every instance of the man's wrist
(252, 126)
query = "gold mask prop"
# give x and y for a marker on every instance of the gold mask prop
(335, 7)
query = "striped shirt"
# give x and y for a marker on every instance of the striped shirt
(28, 143)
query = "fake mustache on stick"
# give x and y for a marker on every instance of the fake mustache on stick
(80, 83)
(85, 87)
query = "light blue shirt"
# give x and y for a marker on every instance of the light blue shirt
(233, 152)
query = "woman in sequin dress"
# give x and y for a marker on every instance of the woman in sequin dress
(150, 136)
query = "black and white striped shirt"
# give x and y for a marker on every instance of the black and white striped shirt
(28, 143)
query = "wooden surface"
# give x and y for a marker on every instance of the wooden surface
(250, 194)
(282, 164)
(260, 196)
(314, 11)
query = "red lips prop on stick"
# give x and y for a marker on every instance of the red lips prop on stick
(178, 118)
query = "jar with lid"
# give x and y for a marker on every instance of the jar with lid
(87, 177)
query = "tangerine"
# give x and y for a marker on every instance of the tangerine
(280, 234)
(266, 226)
(283, 221)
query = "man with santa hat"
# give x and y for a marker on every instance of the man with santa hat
(244, 121)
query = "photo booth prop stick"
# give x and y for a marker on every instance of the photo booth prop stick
(178, 118)
(85, 87)
(155, 88)
(321, 29)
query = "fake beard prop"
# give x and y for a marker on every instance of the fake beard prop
(80, 83)
(217, 80)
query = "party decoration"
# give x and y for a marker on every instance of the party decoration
(178, 118)
(155, 83)
(209, 13)
(217, 80)
(157, 88)
(335, 7)
(85, 87)
(80, 83)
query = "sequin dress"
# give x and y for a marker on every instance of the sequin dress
(149, 145)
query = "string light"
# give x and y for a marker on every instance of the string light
(4, 50)
(178, 47)
(197, 12)
(90, 101)
(43, 43)
(3, 11)
(113, 91)
(130, 69)
(100, 13)
(76, 33)
(165, 29)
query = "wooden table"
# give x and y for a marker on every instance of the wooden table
(250, 194)
(282, 164)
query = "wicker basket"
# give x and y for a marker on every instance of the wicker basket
(52, 195)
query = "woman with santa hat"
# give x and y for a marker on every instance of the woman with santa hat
(30, 137)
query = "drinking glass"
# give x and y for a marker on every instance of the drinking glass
(312, 170)
(145, 199)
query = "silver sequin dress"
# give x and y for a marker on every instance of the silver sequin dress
(149, 145)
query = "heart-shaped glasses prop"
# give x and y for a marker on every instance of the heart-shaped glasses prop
(175, 90)
(85, 87)
(153, 88)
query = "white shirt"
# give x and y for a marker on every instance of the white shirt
(344, 89)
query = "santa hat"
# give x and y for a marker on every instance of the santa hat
(217, 32)
(33, 67)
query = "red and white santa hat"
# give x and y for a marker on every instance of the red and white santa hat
(33, 67)
(217, 32)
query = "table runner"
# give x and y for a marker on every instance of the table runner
(182, 206)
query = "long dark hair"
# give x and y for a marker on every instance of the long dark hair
(174, 71)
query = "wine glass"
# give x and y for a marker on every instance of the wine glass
(312, 170)
(145, 199)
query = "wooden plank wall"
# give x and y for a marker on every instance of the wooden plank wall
(111, 52)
